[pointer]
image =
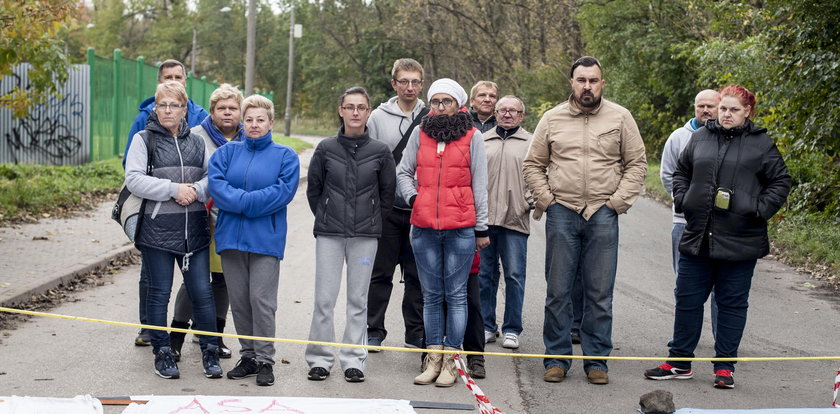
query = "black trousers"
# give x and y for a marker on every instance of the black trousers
(474, 335)
(395, 249)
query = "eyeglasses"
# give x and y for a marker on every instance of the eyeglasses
(354, 108)
(404, 82)
(172, 106)
(508, 111)
(446, 102)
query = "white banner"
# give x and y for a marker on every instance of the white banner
(204, 404)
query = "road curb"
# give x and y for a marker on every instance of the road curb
(65, 276)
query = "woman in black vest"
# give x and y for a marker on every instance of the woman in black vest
(729, 181)
(174, 223)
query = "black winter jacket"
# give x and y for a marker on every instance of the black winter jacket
(745, 160)
(350, 186)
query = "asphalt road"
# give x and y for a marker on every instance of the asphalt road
(788, 317)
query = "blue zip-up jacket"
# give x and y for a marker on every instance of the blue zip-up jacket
(195, 114)
(252, 182)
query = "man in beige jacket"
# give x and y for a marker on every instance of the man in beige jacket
(508, 204)
(586, 165)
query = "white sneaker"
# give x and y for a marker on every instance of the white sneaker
(490, 336)
(511, 341)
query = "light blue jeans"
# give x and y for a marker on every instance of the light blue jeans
(572, 241)
(444, 258)
(511, 247)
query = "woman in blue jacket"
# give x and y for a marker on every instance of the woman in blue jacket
(350, 187)
(252, 182)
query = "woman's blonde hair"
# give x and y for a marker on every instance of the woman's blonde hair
(225, 91)
(258, 101)
(171, 88)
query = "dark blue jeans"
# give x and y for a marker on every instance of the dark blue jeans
(511, 247)
(592, 245)
(144, 293)
(676, 236)
(160, 265)
(699, 276)
(443, 261)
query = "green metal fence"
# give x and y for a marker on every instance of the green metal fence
(117, 86)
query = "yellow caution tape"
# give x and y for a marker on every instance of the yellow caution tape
(394, 348)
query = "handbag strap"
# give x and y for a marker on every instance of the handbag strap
(404, 141)
(151, 142)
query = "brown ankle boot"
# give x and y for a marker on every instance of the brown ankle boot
(448, 372)
(431, 366)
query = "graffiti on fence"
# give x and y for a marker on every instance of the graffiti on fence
(52, 129)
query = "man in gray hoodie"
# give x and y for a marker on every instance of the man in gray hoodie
(705, 108)
(392, 123)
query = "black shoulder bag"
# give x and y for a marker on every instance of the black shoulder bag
(404, 141)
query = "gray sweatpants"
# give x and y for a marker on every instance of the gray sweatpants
(252, 281)
(330, 255)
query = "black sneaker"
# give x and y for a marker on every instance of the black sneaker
(723, 379)
(374, 341)
(667, 371)
(246, 367)
(165, 365)
(476, 367)
(576, 337)
(144, 338)
(210, 361)
(354, 375)
(318, 374)
(265, 376)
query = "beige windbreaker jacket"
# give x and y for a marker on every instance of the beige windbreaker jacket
(582, 159)
(508, 198)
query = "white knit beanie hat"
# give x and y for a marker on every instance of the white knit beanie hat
(449, 87)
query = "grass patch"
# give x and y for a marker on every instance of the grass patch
(809, 241)
(31, 191)
(322, 127)
(653, 185)
(296, 144)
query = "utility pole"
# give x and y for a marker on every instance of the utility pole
(288, 116)
(250, 47)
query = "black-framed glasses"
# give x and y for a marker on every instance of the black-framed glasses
(353, 108)
(508, 111)
(172, 106)
(405, 82)
(446, 102)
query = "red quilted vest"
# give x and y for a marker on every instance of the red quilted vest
(444, 185)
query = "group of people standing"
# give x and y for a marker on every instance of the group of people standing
(445, 192)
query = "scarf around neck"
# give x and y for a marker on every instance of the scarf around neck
(446, 128)
(217, 136)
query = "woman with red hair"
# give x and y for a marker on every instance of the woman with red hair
(729, 181)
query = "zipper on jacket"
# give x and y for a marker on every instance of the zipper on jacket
(585, 162)
(186, 208)
(373, 209)
(499, 178)
(437, 197)
(326, 204)
(245, 187)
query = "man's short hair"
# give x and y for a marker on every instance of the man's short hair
(514, 97)
(475, 87)
(406, 65)
(225, 91)
(170, 63)
(585, 61)
(258, 101)
(171, 88)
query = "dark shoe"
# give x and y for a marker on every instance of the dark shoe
(374, 341)
(224, 351)
(597, 376)
(723, 379)
(246, 367)
(318, 374)
(176, 339)
(210, 361)
(576, 337)
(165, 365)
(416, 343)
(554, 374)
(143, 338)
(265, 376)
(476, 368)
(667, 371)
(354, 375)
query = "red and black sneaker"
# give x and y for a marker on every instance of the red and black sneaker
(667, 371)
(723, 379)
